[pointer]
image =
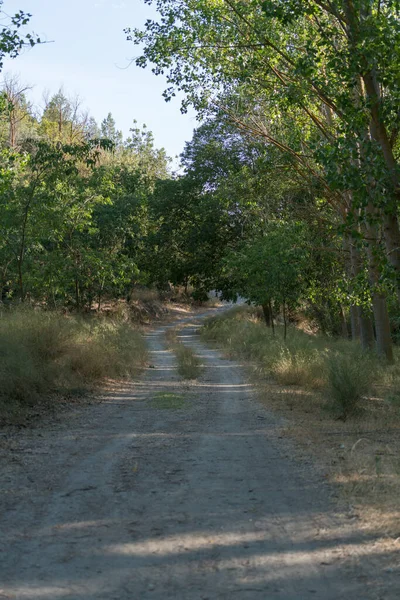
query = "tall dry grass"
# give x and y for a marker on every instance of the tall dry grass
(45, 353)
(337, 367)
(189, 364)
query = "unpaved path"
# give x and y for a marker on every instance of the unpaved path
(174, 491)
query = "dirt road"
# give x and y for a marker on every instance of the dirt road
(174, 491)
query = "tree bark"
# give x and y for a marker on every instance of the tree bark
(272, 317)
(384, 344)
(284, 321)
(343, 322)
(361, 322)
(77, 295)
(391, 234)
(267, 313)
(382, 327)
(355, 322)
(367, 335)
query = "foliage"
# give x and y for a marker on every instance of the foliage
(315, 80)
(273, 266)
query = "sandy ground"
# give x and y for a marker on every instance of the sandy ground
(168, 490)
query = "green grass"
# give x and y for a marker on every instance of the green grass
(189, 365)
(167, 400)
(336, 367)
(45, 354)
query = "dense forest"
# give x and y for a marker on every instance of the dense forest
(287, 195)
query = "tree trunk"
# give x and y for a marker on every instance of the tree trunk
(379, 133)
(382, 327)
(267, 313)
(367, 336)
(343, 322)
(361, 323)
(272, 317)
(355, 322)
(20, 280)
(381, 316)
(12, 134)
(284, 320)
(77, 296)
(391, 234)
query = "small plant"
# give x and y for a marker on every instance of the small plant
(166, 400)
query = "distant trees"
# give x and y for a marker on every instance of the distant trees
(109, 131)
(74, 202)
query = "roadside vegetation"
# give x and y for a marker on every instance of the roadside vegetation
(341, 403)
(45, 357)
(335, 366)
(189, 364)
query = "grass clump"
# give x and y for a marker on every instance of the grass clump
(348, 381)
(189, 365)
(168, 401)
(43, 354)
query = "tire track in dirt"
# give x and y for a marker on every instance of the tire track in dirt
(130, 499)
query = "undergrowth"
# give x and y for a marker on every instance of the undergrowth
(336, 367)
(43, 354)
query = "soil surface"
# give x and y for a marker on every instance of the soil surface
(169, 490)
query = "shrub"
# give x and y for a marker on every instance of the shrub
(296, 361)
(349, 379)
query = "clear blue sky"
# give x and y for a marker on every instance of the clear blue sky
(87, 58)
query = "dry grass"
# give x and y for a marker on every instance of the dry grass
(341, 405)
(45, 354)
(189, 365)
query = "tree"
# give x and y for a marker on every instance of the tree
(109, 131)
(329, 63)
(273, 268)
(11, 42)
(17, 113)
(63, 119)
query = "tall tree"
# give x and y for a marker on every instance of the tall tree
(109, 130)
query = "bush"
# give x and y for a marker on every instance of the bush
(348, 381)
